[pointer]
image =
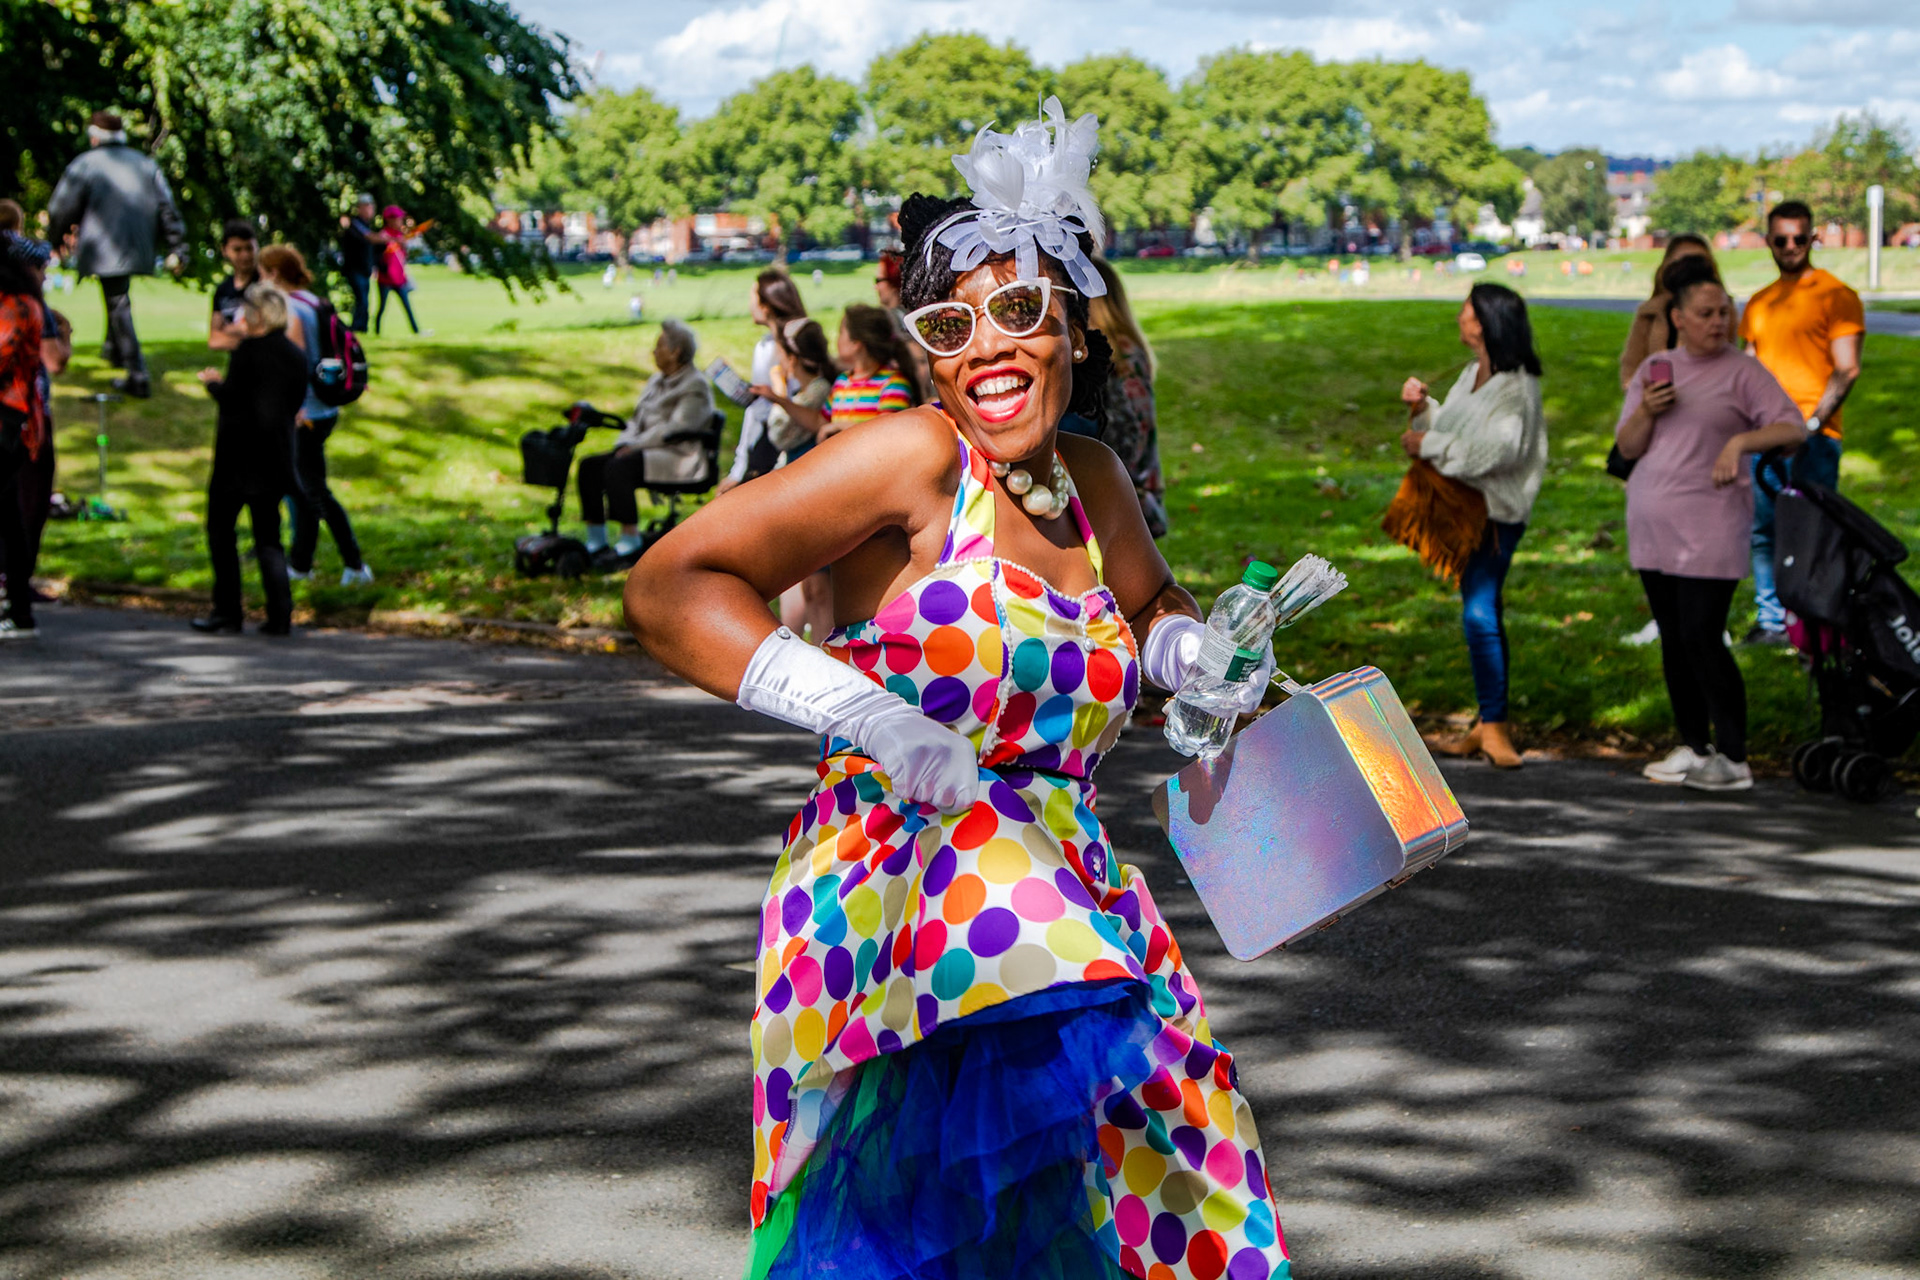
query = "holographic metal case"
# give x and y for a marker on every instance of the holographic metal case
(1316, 807)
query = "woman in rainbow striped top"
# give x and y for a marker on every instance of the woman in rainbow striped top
(878, 375)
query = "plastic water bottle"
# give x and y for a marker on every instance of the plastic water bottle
(1201, 716)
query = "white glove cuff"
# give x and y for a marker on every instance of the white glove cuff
(790, 680)
(1171, 651)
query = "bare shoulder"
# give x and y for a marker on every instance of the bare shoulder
(896, 460)
(1105, 488)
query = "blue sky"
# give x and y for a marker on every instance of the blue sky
(1634, 79)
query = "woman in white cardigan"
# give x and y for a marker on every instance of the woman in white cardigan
(1489, 433)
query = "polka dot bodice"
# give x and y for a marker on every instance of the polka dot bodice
(1035, 677)
(886, 919)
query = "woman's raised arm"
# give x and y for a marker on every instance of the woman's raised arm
(697, 600)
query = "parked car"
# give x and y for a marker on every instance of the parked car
(838, 253)
(1155, 251)
(1202, 251)
(756, 256)
(1486, 248)
(1467, 260)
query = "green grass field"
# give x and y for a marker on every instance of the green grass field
(1279, 413)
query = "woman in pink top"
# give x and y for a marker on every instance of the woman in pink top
(1691, 416)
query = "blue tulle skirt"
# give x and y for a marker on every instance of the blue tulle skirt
(968, 1156)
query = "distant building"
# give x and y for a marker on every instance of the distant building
(1632, 193)
(1530, 224)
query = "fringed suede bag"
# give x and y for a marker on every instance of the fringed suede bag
(1439, 519)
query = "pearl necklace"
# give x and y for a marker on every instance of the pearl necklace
(1048, 502)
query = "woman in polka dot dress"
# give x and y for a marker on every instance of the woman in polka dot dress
(977, 1050)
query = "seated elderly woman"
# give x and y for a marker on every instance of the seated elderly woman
(676, 402)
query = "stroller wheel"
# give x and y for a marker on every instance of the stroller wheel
(571, 564)
(1813, 763)
(1862, 777)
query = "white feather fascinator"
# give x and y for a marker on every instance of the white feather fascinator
(1030, 193)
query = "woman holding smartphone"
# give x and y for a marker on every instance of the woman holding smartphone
(1489, 433)
(1691, 416)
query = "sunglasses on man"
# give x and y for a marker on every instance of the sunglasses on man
(1781, 242)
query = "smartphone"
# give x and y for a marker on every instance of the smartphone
(1659, 371)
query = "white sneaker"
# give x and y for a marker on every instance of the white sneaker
(1644, 636)
(360, 577)
(10, 631)
(1674, 768)
(1717, 773)
(294, 575)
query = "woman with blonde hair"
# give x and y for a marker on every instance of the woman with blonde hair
(259, 394)
(1650, 332)
(1132, 426)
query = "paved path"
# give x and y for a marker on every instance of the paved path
(1904, 323)
(359, 956)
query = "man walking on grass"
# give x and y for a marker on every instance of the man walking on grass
(1806, 328)
(117, 199)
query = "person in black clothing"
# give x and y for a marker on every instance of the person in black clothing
(266, 381)
(359, 245)
(240, 246)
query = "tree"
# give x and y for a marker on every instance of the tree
(1427, 142)
(1703, 193)
(1271, 131)
(1525, 159)
(1141, 178)
(930, 97)
(782, 148)
(1573, 191)
(1856, 153)
(618, 153)
(280, 109)
(56, 74)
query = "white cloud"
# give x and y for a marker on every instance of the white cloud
(1721, 74)
(1638, 79)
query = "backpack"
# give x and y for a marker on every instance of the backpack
(340, 375)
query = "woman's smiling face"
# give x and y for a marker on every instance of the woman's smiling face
(1008, 394)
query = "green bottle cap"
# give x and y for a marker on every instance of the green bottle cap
(1261, 576)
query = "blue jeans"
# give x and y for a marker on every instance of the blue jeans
(1818, 460)
(1483, 615)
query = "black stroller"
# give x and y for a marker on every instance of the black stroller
(546, 458)
(1858, 622)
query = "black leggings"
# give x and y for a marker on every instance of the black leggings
(387, 290)
(607, 482)
(1703, 680)
(13, 529)
(224, 505)
(313, 501)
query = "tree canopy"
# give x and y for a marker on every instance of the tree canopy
(1573, 191)
(781, 148)
(929, 97)
(1703, 193)
(617, 153)
(279, 110)
(1143, 179)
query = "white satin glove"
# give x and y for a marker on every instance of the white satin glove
(927, 763)
(1172, 653)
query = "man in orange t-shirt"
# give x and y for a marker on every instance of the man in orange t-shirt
(1806, 328)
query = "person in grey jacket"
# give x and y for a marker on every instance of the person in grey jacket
(656, 447)
(119, 200)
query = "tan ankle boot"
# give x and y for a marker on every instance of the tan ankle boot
(1469, 745)
(1497, 747)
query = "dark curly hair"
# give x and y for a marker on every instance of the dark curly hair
(927, 277)
(1680, 278)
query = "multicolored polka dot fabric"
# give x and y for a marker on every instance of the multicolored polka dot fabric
(886, 919)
